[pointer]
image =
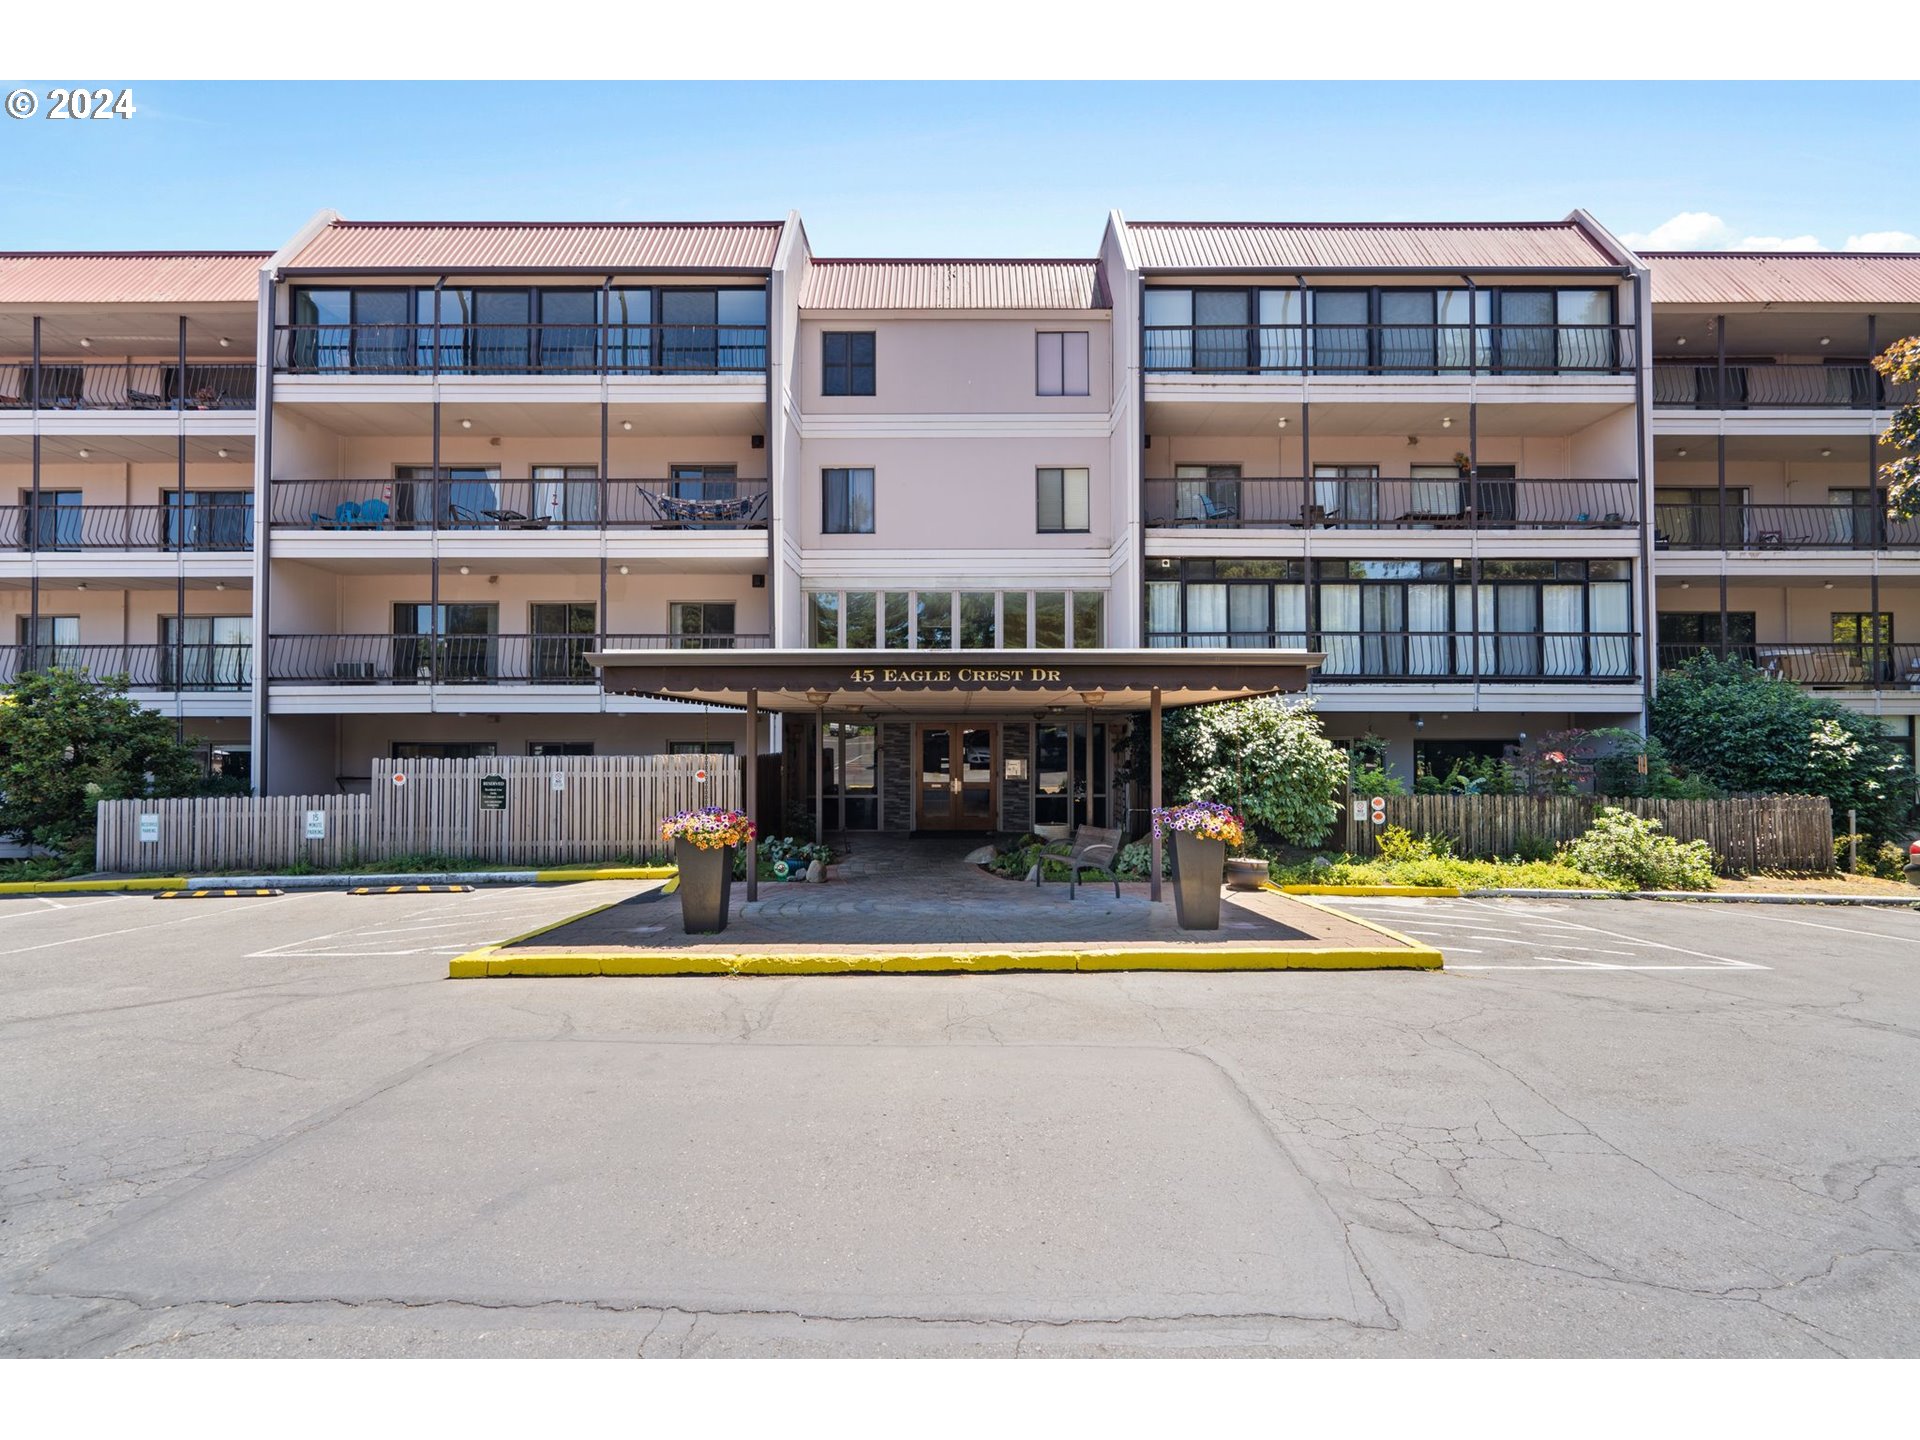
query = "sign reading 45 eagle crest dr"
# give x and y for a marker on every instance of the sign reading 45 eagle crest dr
(955, 675)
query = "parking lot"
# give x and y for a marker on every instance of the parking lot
(271, 1127)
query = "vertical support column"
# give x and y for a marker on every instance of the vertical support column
(31, 655)
(1092, 769)
(1154, 800)
(606, 316)
(434, 491)
(263, 537)
(180, 549)
(752, 780)
(1473, 537)
(820, 774)
(1073, 768)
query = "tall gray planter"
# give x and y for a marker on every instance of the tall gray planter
(1199, 870)
(706, 887)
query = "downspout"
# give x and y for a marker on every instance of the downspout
(434, 625)
(263, 534)
(180, 548)
(1876, 536)
(606, 313)
(1137, 506)
(1473, 487)
(1642, 363)
(1720, 465)
(1309, 581)
(33, 517)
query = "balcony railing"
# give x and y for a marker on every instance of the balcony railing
(1818, 664)
(1249, 503)
(1425, 656)
(465, 659)
(185, 666)
(167, 529)
(521, 349)
(1281, 350)
(129, 385)
(470, 505)
(1692, 386)
(1780, 527)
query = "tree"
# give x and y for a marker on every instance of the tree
(1738, 728)
(1900, 364)
(68, 740)
(1268, 758)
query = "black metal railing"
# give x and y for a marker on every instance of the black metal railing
(1258, 503)
(1281, 350)
(125, 385)
(1817, 664)
(366, 505)
(1748, 526)
(1424, 656)
(184, 666)
(465, 659)
(520, 349)
(1705, 386)
(195, 528)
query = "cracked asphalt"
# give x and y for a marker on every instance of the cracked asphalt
(270, 1127)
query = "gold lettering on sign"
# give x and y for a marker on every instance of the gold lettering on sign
(966, 675)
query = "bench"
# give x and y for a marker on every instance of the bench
(1092, 848)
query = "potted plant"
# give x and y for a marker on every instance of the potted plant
(1201, 831)
(703, 846)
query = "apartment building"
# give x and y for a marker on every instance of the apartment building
(400, 489)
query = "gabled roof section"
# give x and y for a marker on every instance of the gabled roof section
(1774, 277)
(132, 277)
(954, 285)
(1367, 245)
(459, 245)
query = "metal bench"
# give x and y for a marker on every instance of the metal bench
(1092, 848)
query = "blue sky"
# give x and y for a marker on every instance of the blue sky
(953, 169)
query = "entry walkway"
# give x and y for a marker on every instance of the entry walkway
(921, 895)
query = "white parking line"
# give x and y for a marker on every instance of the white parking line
(1846, 930)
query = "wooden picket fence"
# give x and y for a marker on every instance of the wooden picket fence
(558, 809)
(1747, 833)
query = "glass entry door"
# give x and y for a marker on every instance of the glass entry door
(956, 777)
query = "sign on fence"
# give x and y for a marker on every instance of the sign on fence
(149, 829)
(493, 792)
(316, 824)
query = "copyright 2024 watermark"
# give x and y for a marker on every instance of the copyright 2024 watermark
(75, 102)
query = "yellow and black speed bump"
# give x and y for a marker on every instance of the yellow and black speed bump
(410, 890)
(210, 894)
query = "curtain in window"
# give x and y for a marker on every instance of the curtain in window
(1610, 609)
(1561, 618)
(1247, 615)
(1163, 615)
(1207, 616)
(1290, 616)
(1427, 620)
(1169, 318)
(1280, 337)
(1465, 621)
(1339, 628)
(1517, 616)
(1436, 490)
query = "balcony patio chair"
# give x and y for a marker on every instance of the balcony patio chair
(1212, 512)
(459, 516)
(345, 516)
(1092, 848)
(658, 507)
(373, 515)
(145, 400)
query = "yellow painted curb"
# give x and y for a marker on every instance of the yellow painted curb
(1435, 892)
(72, 887)
(616, 872)
(490, 962)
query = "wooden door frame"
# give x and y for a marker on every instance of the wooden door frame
(956, 730)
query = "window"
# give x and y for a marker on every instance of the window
(1868, 639)
(455, 643)
(823, 620)
(704, 482)
(208, 519)
(853, 775)
(207, 652)
(846, 362)
(1061, 366)
(964, 619)
(562, 636)
(700, 747)
(1013, 620)
(58, 522)
(848, 498)
(566, 495)
(1089, 620)
(976, 620)
(1686, 633)
(702, 624)
(467, 493)
(1049, 620)
(862, 627)
(559, 747)
(1062, 501)
(56, 642)
(933, 620)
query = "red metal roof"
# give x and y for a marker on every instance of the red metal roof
(954, 285)
(595, 245)
(1385, 245)
(1772, 277)
(131, 277)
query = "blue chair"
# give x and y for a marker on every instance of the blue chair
(373, 513)
(345, 514)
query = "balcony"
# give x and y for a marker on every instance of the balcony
(1250, 503)
(465, 659)
(1357, 350)
(1748, 526)
(1686, 386)
(1815, 664)
(564, 350)
(185, 667)
(156, 529)
(1425, 657)
(132, 385)
(363, 506)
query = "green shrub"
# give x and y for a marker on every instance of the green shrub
(1633, 853)
(1398, 845)
(1135, 861)
(1268, 758)
(1441, 870)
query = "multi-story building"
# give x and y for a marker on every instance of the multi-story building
(385, 491)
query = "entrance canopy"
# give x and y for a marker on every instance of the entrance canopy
(953, 682)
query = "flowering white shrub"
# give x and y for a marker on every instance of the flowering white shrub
(1635, 854)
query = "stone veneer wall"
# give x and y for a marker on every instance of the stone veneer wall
(1016, 796)
(896, 777)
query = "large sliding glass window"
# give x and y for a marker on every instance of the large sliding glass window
(453, 643)
(562, 636)
(948, 619)
(207, 652)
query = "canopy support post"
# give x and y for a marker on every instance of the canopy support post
(1153, 791)
(753, 792)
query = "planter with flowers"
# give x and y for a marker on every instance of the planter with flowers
(703, 846)
(1202, 831)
